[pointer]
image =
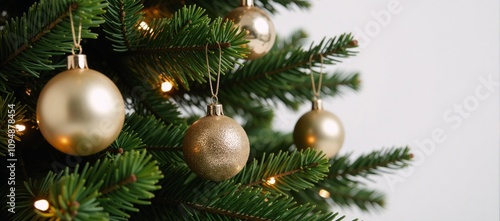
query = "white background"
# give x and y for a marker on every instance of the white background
(418, 67)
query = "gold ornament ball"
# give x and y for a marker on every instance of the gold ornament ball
(320, 130)
(258, 27)
(80, 112)
(216, 147)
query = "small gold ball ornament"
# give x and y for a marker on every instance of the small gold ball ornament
(80, 111)
(216, 147)
(257, 25)
(320, 130)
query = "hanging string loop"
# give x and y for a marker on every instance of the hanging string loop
(214, 98)
(316, 90)
(76, 42)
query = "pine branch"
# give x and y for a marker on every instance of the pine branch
(133, 185)
(100, 192)
(270, 4)
(12, 113)
(162, 141)
(331, 50)
(28, 51)
(344, 190)
(151, 102)
(374, 163)
(192, 195)
(126, 140)
(123, 19)
(172, 48)
(154, 133)
(363, 198)
(279, 71)
(72, 198)
(221, 8)
(280, 77)
(266, 140)
(342, 196)
(284, 172)
(31, 191)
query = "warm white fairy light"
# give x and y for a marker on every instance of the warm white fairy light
(271, 181)
(144, 26)
(166, 86)
(323, 193)
(42, 205)
(20, 127)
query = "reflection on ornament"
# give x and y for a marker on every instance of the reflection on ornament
(100, 101)
(257, 25)
(215, 147)
(323, 193)
(42, 205)
(166, 86)
(80, 111)
(271, 181)
(320, 130)
(20, 127)
(310, 140)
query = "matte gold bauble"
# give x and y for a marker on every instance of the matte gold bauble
(80, 111)
(216, 147)
(320, 130)
(258, 27)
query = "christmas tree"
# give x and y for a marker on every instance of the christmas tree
(163, 57)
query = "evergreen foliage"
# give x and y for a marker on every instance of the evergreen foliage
(142, 175)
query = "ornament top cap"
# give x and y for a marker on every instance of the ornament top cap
(317, 104)
(246, 2)
(77, 61)
(215, 110)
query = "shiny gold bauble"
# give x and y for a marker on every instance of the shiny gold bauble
(320, 130)
(80, 111)
(216, 147)
(258, 27)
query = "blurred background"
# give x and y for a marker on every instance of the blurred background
(430, 80)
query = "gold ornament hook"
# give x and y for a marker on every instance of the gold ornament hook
(246, 2)
(316, 91)
(214, 99)
(76, 43)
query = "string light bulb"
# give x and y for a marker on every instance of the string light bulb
(144, 26)
(166, 86)
(42, 205)
(20, 127)
(271, 181)
(323, 193)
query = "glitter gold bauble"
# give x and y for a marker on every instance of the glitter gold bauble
(320, 130)
(80, 111)
(258, 27)
(216, 147)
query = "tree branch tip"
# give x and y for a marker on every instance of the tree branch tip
(410, 156)
(74, 208)
(131, 179)
(354, 42)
